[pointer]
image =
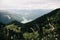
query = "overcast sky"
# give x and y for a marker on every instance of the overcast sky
(29, 4)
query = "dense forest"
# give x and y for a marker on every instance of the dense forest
(46, 27)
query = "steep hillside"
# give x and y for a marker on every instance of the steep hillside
(50, 18)
(49, 22)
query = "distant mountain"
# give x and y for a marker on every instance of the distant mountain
(5, 17)
(22, 16)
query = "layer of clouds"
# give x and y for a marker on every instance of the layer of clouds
(29, 4)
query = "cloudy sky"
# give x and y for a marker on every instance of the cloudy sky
(29, 4)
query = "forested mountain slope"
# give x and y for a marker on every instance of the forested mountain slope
(46, 27)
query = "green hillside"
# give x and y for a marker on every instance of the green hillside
(46, 27)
